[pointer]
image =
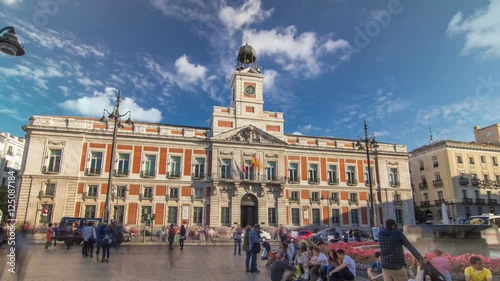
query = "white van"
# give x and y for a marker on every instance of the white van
(489, 219)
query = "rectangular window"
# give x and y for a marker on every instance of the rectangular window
(90, 211)
(335, 216)
(199, 168)
(294, 173)
(92, 191)
(399, 216)
(437, 176)
(123, 164)
(271, 171)
(224, 216)
(315, 196)
(121, 191)
(483, 159)
(225, 169)
(393, 177)
(367, 176)
(198, 215)
(149, 165)
(249, 170)
(10, 151)
(148, 192)
(295, 216)
(50, 190)
(316, 218)
(172, 215)
(476, 194)
(353, 197)
(421, 165)
(313, 173)
(426, 197)
(355, 216)
(494, 159)
(174, 193)
(464, 193)
(175, 167)
(294, 196)
(54, 160)
(497, 179)
(199, 193)
(147, 211)
(48, 218)
(271, 216)
(334, 196)
(440, 195)
(435, 162)
(95, 163)
(471, 160)
(119, 213)
(467, 212)
(351, 175)
(332, 174)
(460, 160)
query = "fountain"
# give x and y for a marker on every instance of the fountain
(455, 239)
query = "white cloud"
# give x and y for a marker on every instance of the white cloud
(296, 53)
(187, 9)
(65, 90)
(270, 79)
(188, 73)
(12, 113)
(381, 133)
(38, 74)
(297, 133)
(11, 2)
(94, 105)
(249, 12)
(481, 31)
(88, 83)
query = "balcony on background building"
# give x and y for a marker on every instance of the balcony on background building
(425, 204)
(480, 201)
(437, 183)
(314, 180)
(475, 182)
(148, 174)
(333, 181)
(51, 169)
(293, 180)
(439, 202)
(198, 176)
(467, 201)
(423, 185)
(463, 181)
(173, 175)
(120, 173)
(492, 202)
(352, 182)
(487, 182)
(94, 171)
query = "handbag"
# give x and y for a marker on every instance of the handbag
(256, 248)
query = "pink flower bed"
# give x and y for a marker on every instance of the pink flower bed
(367, 255)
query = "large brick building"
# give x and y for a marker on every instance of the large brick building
(242, 169)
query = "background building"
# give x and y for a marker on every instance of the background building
(241, 170)
(463, 175)
(11, 155)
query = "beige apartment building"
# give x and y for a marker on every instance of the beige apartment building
(463, 175)
(242, 169)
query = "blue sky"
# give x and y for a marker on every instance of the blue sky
(329, 64)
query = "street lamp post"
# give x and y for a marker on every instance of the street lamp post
(116, 116)
(9, 44)
(369, 143)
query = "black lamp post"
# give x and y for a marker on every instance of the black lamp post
(9, 44)
(369, 143)
(116, 117)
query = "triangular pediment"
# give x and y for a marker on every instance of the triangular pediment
(248, 134)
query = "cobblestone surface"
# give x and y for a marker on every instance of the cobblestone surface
(131, 263)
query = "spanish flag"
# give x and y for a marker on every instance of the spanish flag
(255, 161)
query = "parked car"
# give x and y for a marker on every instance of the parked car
(64, 229)
(264, 235)
(328, 235)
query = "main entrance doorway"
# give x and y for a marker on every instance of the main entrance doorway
(249, 210)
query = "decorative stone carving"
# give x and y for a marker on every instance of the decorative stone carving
(226, 153)
(249, 135)
(271, 155)
(393, 163)
(61, 143)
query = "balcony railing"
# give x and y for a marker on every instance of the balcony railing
(352, 182)
(487, 182)
(367, 182)
(439, 202)
(173, 175)
(313, 180)
(274, 178)
(294, 180)
(394, 183)
(463, 181)
(492, 202)
(121, 173)
(353, 200)
(333, 181)
(294, 199)
(315, 200)
(46, 194)
(148, 174)
(480, 201)
(437, 183)
(198, 176)
(93, 171)
(423, 185)
(89, 194)
(425, 203)
(334, 200)
(476, 182)
(225, 177)
(51, 169)
(467, 201)
(146, 196)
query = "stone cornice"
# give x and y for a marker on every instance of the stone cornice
(472, 146)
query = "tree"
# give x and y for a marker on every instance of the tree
(420, 215)
(3, 201)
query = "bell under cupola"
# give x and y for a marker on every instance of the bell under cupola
(247, 57)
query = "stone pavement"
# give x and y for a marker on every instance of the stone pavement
(131, 263)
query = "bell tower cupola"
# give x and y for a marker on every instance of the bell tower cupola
(247, 57)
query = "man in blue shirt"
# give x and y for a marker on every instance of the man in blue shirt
(254, 247)
(375, 269)
(391, 242)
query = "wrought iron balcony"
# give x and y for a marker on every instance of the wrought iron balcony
(334, 200)
(225, 177)
(475, 182)
(352, 182)
(46, 194)
(439, 202)
(463, 181)
(367, 182)
(313, 180)
(93, 171)
(423, 185)
(467, 201)
(148, 174)
(353, 200)
(198, 176)
(273, 178)
(173, 175)
(425, 203)
(121, 173)
(333, 181)
(294, 180)
(480, 201)
(315, 200)
(51, 169)
(492, 202)
(92, 195)
(293, 200)
(437, 183)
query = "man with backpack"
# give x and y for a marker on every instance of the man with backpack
(254, 247)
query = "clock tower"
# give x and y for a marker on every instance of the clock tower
(247, 99)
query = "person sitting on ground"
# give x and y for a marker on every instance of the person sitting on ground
(476, 271)
(375, 269)
(317, 263)
(345, 271)
(280, 270)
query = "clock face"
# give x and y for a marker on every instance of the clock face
(250, 90)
